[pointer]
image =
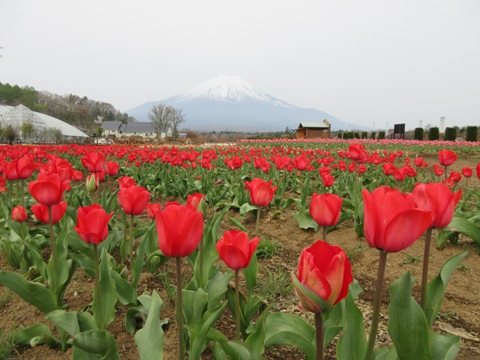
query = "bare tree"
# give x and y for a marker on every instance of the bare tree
(178, 117)
(161, 116)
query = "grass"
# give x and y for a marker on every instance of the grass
(352, 253)
(169, 288)
(5, 298)
(274, 283)
(409, 259)
(266, 249)
(463, 268)
(6, 345)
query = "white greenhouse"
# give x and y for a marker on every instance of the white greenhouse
(31, 126)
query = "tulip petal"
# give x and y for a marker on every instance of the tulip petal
(405, 229)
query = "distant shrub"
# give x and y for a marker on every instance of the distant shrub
(340, 135)
(364, 135)
(373, 134)
(450, 134)
(381, 135)
(356, 135)
(418, 135)
(433, 133)
(472, 133)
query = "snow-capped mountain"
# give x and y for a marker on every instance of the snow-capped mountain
(231, 103)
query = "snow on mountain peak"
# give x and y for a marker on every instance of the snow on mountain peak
(229, 89)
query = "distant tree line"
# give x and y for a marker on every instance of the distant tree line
(164, 118)
(73, 109)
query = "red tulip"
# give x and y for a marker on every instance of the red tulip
(152, 210)
(325, 209)
(478, 170)
(467, 171)
(94, 161)
(112, 168)
(235, 249)
(455, 176)
(301, 163)
(439, 199)
(328, 180)
(325, 270)
(356, 152)
(134, 199)
(126, 182)
(19, 214)
(3, 188)
(47, 189)
(41, 212)
(92, 224)
(10, 171)
(179, 229)
(392, 220)
(261, 191)
(446, 157)
(25, 167)
(193, 200)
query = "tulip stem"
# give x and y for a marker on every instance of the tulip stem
(122, 252)
(426, 256)
(324, 233)
(132, 240)
(237, 306)
(53, 252)
(200, 254)
(179, 308)
(376, 304)
(259, 211)
(98, 294)
(319, 335)
(22, 196)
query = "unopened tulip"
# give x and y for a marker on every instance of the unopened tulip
(325, 209)
(324, 270)
(19, 214)
(236, 249)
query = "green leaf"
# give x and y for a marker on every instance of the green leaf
(237, 350)
(308, 295)
(407, 324)
(246, 208)
(289, 329)
(149, 340)
(98, 342)
(126, 293)
(352, 344)
(106, 300)
(304, 220)
(251, 272)
(72, 322)
(34, 293)
(256, 338)
(34, 335)
(465, 227)
(238, 224)
(444, 347)
(437, 286)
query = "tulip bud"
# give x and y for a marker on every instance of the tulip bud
(19, 214)
(91, 183)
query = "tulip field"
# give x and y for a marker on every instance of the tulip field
(281, 249)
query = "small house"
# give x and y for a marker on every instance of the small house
(315, 129)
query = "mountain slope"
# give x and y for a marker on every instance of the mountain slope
(230, 103)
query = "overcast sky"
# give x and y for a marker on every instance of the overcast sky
(368, 62)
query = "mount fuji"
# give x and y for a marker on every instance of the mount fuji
(231, 103)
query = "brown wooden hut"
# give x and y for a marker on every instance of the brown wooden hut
(315, 129)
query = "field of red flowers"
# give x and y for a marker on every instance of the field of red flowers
(95, 239)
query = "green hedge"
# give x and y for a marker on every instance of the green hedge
(433, 133)
(373, 134)
(418, 135)
(450, 134)
(472, 133)
(381, 135)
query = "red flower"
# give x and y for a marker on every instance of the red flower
(193, 200)
(328, 180)
(301, 163)
(325, 270)
(325, 209)
(356, 152)
(92, 224)
(439, 199)
(126, 182)
(19, 214)
(94, 161)
(467, 171)
(261, 191)
(10, 171)
(25, 167)
(446, 157)
(455, 176)
(112, 168)
(41, 212)
(152, 210)
(179, 230)
(478, 170)
(392, 220)
(47, 189)
(134, 199)
(235, 249)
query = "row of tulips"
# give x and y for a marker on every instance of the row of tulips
(322, 279)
